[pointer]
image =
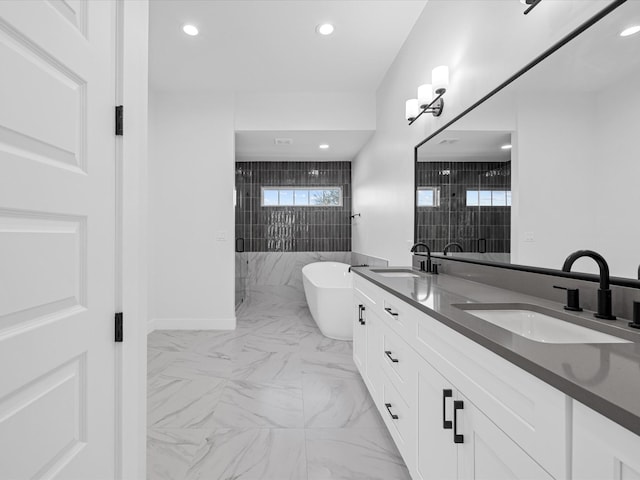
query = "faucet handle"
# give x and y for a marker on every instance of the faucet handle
(636, 315)
(573, 298)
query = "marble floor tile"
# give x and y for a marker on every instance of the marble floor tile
(272, 400)
(267, 367)
(335, 402)
(190, 365)
(253, 454)
(170, 452)
(221, 342)
(332, 364)
(353, 454)
(172, 340)
(271, 342)
(182, 402)
(259, 405)
(320, 343)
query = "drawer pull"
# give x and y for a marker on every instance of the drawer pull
(393, 415)
(457, 437)
(390, 312)
(388, 354)
(360, 310)
(446, 393)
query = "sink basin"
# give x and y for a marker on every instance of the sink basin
(538, 324)
(395, 272)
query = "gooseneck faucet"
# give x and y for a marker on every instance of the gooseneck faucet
(414, 249)
(604, 292)
(448, 246)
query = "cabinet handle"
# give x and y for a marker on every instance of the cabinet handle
(446, 393)
(457, 437)
(394, 416)
(390, 312)
(388, 354)
(360, 310)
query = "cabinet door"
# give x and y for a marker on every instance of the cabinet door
(602, 449)
(373, 371)
(487, 453)
(436, 452)
(359, 335)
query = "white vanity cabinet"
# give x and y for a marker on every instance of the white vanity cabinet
(455, 440)
(602, 449)
(366, 339)
(510, 424)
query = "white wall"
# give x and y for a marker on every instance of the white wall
(617, 193)
(482, 42)
(191, 179)
(553, 180)
(305, 111)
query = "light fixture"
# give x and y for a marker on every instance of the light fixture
(325, 29)
(532, 4)
(426, 101)
(506, 147)
(323, 146)
(630, 31)
(190, 30)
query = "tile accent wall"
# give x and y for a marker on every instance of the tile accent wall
(292, 229)
(453, 221)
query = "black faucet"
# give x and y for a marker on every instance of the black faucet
(604, 293)
(351, 266)
(424, 267)
(451, 245)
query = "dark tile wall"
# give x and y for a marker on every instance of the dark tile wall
(453, 221)
(292, 229)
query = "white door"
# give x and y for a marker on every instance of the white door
(57, 218)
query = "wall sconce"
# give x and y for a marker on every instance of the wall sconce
(426, 101)
(531, 3)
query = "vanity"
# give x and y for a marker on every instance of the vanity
(464, 397)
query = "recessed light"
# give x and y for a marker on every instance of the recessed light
(630, 31)
(506, 147)
(190, 30)
(323, 146)
(325, 29)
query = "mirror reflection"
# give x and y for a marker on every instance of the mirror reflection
(571, 179)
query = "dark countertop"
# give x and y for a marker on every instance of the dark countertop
(605, 376)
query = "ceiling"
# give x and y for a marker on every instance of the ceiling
(466, 146)
(272, 46)
(261, 146)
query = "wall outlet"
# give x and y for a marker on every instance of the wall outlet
(221, 236)
(529, 237)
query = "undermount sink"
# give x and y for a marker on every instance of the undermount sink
(538, 324)
(395, 272)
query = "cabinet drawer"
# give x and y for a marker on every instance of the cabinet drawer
(399, 316)
(399, 418)
(399, 362)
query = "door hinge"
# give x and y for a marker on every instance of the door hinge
(119, 120)
(118, 327)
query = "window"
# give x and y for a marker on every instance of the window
(488, 198)
(428, 197)
(301, 196)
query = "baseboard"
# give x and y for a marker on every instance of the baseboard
(191, 324)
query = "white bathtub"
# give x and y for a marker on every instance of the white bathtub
(328, 288)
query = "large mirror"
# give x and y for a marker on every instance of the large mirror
(548, 165)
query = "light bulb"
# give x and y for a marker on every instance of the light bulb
(440, 79)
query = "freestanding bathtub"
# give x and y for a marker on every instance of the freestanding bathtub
(327, 286)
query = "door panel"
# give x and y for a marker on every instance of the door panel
(437, 455)
(57, 249)
(487, 453)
